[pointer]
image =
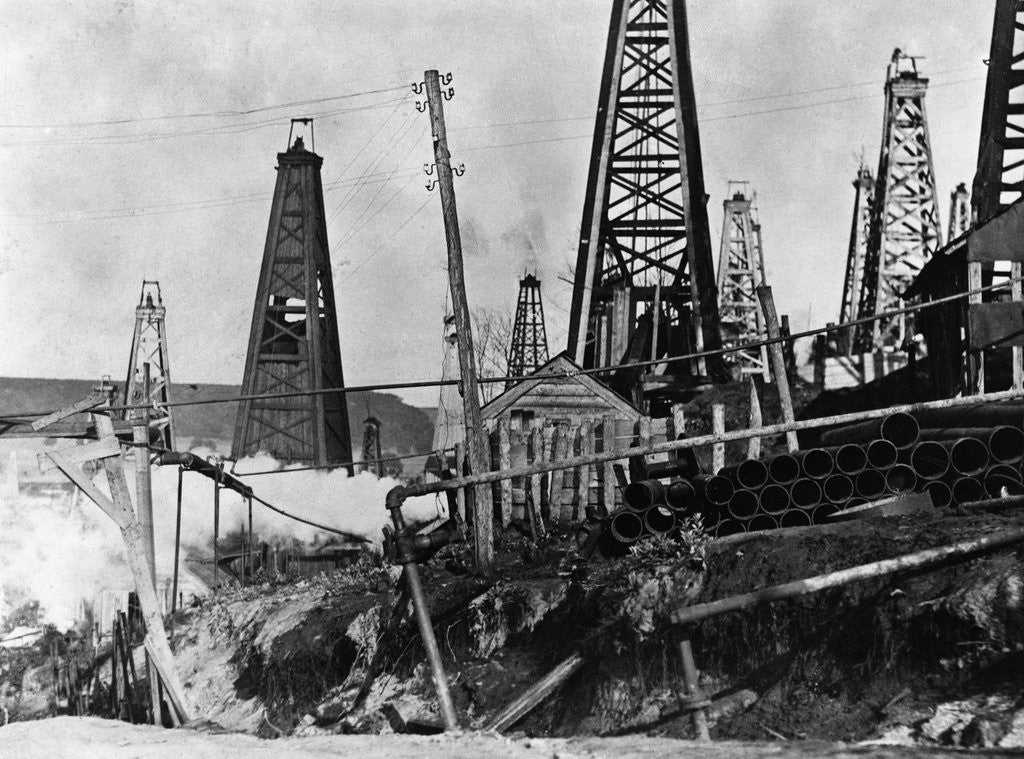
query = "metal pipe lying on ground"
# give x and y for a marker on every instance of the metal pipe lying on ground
(805, 493)
(900, 479)
(1005, 443)
(750, 474)
(929, 459)
(976, 415)
(714, 489)
(773, 499)
(869, 484)
(659, 520)
(761, 522)
(850, 459)
(1005, 470)
(729, 527)
(967, 489)
(680, 494)
(795, 518)
(963, 549)
(535, 694)
(838, 488)
(968, 456)
(816, 463)
(900, 429)
(881, 454)
(644, 493)
(783, 469)
(940, 492)
(822, 512)
(626, 527)
(742, 505)
(998, 485)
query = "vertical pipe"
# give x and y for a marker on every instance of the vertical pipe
(177, 545)
(700, 720)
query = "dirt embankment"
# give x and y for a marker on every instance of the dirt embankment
(934, 657)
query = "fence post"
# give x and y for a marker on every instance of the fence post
(718, 428)
(583, 485)
(505, 462)
(608, 444)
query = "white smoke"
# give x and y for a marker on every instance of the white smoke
(63, 551)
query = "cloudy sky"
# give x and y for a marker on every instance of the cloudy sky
(138, 140)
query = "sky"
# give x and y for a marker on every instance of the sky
(139, 140)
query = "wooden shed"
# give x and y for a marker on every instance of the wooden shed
(548, 418)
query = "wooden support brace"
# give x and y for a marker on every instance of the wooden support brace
(717, 428)
(76, 454)
(764, 294)
(91, 401)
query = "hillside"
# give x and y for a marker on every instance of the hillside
(405, 429)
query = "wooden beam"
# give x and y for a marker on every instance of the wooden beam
(91, 401)
(76, 454)
(718, 429)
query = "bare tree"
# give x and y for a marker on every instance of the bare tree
(492, 336)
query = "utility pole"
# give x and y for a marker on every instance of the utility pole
(482, 516)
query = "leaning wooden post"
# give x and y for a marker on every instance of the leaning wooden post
(754, 444)
(718, 428)
(483, 533)
(608, 444)
(583, 485)
(771, 317)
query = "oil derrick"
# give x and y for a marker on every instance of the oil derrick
(904, 217)
(999, 180)
(959, 212)
(860, 229)
(529, 349)
(293, 342)
(371, 446)
(644, 274)
(740, 272)
(149, 354)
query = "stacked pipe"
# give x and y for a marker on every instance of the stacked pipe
(651, 508)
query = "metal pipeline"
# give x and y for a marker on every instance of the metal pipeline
(995, 484)
(729, 527)
(968, 456)
(714, 489)
(816, 463)
(821, 514)
(900, 479)
(929, 459)
(783, 469)
(1006, 444)
(881, 454)
(900, 429)
(838, 488)
(762, 522)
(967, 489)
(795, 518)
(742, 505)
(680, 494)
(750, 474)
(805, 493)
(198, 464)
(980, 415)
(850, 459)
(1005, 470)
(869, 484)
(940, 493)
(626, 527)
(773, 499)
(643, 494)
(659, 520)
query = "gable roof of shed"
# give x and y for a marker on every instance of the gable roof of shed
(561, 365)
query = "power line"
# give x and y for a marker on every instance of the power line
(383, 244)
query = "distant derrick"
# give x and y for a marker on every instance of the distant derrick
(959, 212)
(860, 230)
(644, 256)
(740, 272)
(904, 219)
(371, 446)
(293, 342)
(529, 349)
(149, 353)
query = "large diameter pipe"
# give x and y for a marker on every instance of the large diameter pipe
(900, 429)
(966, 490)
(1006, 471)
(729, 527)
(838, 488)
(822, 514)
(659, 520)
(929, 459)
(714, 489)
(869, 484)
(795, 518)
(816, 463)
(643, 494)
(805, 493)
(626, 527)
(762, 522)
(773, 499)
(977, 415)
(743, 505)
(996, 484)
(881, 454)
(900, 479)
(850, 459)
(941, 494)
(750, 474)
(968, 456)
(680, 494)
(1005, 443)
(783, 469)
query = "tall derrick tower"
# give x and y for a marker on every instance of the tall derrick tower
(529, 349)
(371, 446)
(959, 212)
(740, 272)
(149, 353)
(904, 218)
(293, 342)
(860, 229)
(999, 180)
(645, 246)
